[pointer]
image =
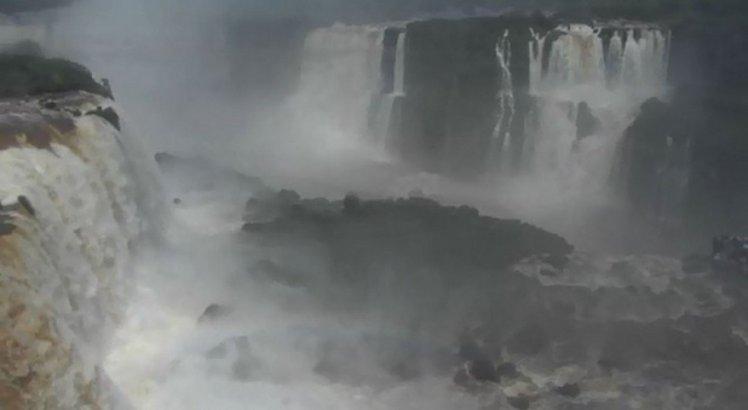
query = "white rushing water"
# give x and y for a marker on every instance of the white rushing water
(399, 88)
(75, 208)
(384, 105)
(340, 75)
(501, 137)
(612, 86)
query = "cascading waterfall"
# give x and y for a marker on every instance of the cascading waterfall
(385, 112)
(576, 58)
(399, 88)
(610, 86)
(501, 137)
(340, 76)
(536, 53)
(70, 215)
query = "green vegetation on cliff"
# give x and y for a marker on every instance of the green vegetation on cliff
(406, 235)
(28, 75)
(22, 6)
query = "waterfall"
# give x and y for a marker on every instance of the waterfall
(611, 85)
(501, 136)
(340, 77)
(399, 88)
(615, 59)
(70, 217)
(576, 58)
(382, 125)
(536, 53)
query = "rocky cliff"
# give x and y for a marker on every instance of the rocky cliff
(686, 158)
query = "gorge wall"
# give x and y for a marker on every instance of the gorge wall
(686, 156)
(549, 99)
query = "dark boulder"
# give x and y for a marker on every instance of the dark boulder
(6, 225)
(507, 370)
(483, 370)
(26, 204)
(109, 115)
(569, 390)
(214, 313)
(587, 123)
(520, 402)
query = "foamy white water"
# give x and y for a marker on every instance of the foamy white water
(75, 213)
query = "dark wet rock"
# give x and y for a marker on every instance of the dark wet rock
(386, 230)
(6, 225)
(507, 370)
(351, 204)
(105, 83)
(288, 197)
(530, 340)
(177, 201)
(587, 123)
(214, 313)
(644, 152)
(559, 261)
(49, 105)
(109, 115)
(520, 402)
(682, 163)
(462, 378)
(548, 273)
(26, 204)
(569, 390)
(483, 370)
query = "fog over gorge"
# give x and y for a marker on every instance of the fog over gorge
(375, 205)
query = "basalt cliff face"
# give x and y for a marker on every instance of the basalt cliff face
(70, 216)
(685, 158)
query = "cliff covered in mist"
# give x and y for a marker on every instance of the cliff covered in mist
(686, 157)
